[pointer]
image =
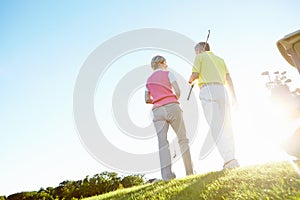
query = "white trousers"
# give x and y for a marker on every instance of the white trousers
(216, 108)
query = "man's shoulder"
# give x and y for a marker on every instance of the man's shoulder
(205, 54)
(217, 57)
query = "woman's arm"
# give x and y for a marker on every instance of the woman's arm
(148, 98)
(176, 89)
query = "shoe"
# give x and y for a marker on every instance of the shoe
(153, 180)
(231, 164)
(172, 176)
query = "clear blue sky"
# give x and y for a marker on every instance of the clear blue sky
(43, 45)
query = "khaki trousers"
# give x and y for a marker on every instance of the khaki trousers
(163, 117)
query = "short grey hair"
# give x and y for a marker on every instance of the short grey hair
(156, 60)
(200, 46)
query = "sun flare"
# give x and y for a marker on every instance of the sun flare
(261, 132)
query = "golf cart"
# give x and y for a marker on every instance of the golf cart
(289, 47)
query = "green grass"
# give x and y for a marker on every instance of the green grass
(268, 181)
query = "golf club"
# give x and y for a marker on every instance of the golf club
(192, 85)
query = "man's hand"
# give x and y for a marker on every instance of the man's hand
(235, 103)
(194, 76)
(232, 91)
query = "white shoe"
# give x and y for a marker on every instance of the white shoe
(231, 164)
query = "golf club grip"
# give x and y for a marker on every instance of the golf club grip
(188, 98)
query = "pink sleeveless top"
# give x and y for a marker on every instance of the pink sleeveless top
(160, 88)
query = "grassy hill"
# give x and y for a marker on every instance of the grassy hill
(269, 181)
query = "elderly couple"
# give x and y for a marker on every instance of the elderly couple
(163, 92)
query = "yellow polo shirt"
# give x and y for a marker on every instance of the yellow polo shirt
(211, 68)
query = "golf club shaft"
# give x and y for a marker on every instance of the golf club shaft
(188, 98)
(206, 40)
(203, 50)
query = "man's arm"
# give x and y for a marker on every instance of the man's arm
(194, 76)
(231, 89)
(148, 98)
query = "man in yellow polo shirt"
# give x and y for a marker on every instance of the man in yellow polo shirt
(213, 75)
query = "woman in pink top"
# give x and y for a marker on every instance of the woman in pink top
(166, 112)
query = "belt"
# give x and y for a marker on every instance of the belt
(212, 83)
